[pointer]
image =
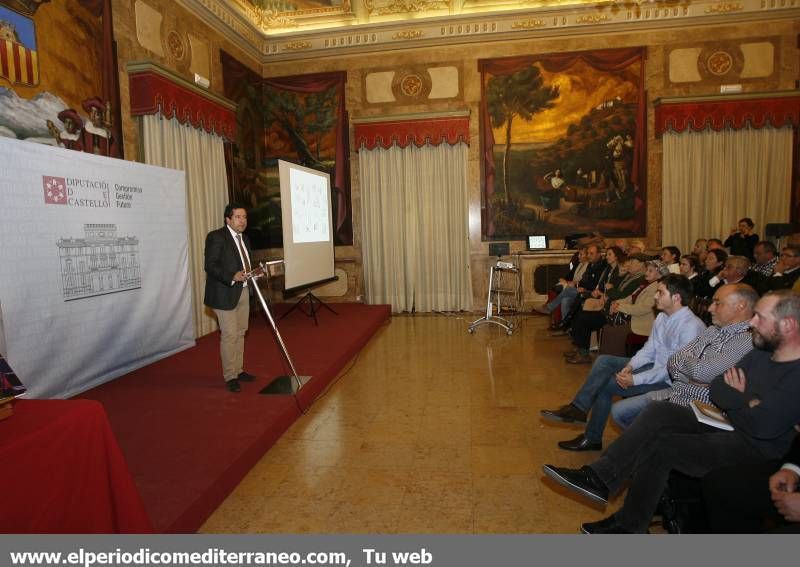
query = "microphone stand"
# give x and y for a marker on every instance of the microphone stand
(280, 385)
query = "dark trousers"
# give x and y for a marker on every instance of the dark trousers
(737, 500)
(584, 324)
(665, 437)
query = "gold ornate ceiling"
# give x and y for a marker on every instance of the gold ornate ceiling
(274, 30)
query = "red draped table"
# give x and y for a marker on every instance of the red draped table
(63, 472)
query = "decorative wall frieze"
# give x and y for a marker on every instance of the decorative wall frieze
(381, 23)
(296, 45)
(724, 8)
(408, 34)
(528, 24)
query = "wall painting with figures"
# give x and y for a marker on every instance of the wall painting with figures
(563, 144)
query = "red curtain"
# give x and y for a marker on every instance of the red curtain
(152, 92)
(317, 83)
(419, 132)
(604, 60)
(720, 114)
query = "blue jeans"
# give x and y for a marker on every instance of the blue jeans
(565, 299)
(625, 411)
(600, 388)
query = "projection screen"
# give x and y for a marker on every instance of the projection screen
(307, 225)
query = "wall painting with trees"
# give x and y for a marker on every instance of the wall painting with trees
(563, 144)
(301, 119)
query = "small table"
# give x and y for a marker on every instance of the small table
(64, 472)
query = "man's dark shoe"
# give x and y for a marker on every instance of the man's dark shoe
(565, 414)
(583, 481)
(559, 333)
(580, 443)
(233, 385)
(245, 377)
(579, 358)
(570, 353)
(605, 526)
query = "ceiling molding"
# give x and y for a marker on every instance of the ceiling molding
(383, 25)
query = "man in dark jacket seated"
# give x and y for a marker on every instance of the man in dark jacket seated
(761, 397)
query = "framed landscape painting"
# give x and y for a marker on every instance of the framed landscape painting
(563, 144)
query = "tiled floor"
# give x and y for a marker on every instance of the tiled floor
(431, 430)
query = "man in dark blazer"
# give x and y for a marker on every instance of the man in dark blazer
(227, 259)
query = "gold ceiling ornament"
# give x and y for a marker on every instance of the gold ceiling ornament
(296, 45)
(591, 19)
(408, 34)
(271, 19)
(527, 24)
(405, 6)
(724, 8)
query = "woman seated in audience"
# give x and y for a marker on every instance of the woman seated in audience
(568, 287)
(690, 265)
(636, 247)
(590, 320)
(670, 255)
(707, 283)
(609, 278)
(630, 319)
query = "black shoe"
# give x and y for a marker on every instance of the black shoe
(565, 414)
(233, 385)
(583, 481)
(580, 443)
(605, 526)
(245, 377)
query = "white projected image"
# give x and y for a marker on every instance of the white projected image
(310, 221)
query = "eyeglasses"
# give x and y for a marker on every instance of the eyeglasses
(785, 255)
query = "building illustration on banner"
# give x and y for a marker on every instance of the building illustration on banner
(99, 263)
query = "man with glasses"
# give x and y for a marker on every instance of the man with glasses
(786, 271)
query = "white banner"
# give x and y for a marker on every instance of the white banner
(94, 278)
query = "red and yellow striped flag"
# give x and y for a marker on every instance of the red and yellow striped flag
(18, 64)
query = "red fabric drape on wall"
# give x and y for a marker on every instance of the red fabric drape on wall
(317, 83)
(152, 92)
(419, 132)
(604, 60)
(755, 112)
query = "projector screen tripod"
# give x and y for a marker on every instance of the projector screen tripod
(314, 305)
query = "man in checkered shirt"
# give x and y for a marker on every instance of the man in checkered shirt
(713, 352)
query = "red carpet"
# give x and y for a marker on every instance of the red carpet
(188, 441)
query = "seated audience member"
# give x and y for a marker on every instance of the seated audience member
(587, 284)
(630, 319)
(742, 240)
(714, 244)
(638, 306)
(710, 280)
(786, 270)
(586, 322)
(766, 256)
(613, 376)
(671, 255)
(622, 244)
(689, 266)
(610, 277)
(715, 350)
(699, 249)
(761, 398)
(737, 270)
(756, 498)
(569, 286)
(636, 247)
